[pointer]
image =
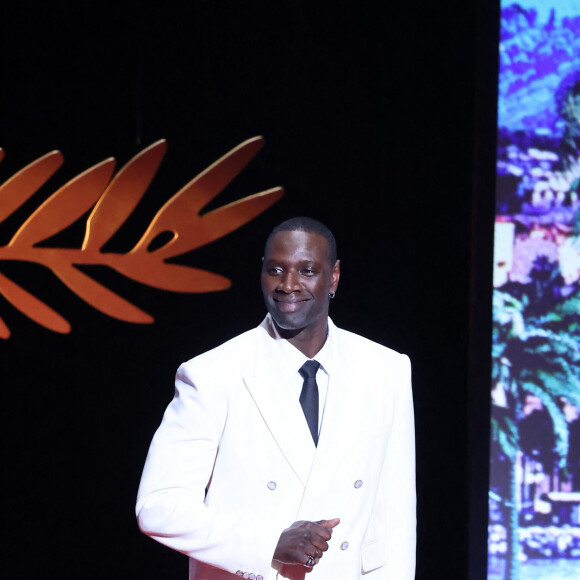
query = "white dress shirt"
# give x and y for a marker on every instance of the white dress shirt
(289, 359)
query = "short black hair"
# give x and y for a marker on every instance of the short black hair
(309, 225)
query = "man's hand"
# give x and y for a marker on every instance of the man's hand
(304, 543)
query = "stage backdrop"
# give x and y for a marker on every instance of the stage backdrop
(367, 118)
(534, 491)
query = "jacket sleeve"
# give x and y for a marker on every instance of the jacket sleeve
(170, 503)
(396, 500)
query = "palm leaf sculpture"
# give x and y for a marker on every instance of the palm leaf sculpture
(112, 200)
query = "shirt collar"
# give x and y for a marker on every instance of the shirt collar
(292, 358)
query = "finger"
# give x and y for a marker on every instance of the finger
(320, 544)
(317, 530)
(329, 524)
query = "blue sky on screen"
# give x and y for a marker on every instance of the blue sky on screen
(543, 7)
(538, 60)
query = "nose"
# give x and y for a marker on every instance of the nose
(288, 283)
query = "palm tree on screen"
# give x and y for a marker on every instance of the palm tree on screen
(535, 351)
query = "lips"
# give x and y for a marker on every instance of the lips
(289, 305)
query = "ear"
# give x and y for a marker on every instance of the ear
(335, 276)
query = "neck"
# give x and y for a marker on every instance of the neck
(307, 342)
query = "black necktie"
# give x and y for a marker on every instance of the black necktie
(309, 396)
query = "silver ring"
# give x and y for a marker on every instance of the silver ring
(310, 560)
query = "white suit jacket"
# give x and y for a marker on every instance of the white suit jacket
(235, 429)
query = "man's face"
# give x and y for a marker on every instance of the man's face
(296, 280)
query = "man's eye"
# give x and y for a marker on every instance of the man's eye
(308, 272)
(275, 271)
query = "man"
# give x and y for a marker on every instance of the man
(267, 465)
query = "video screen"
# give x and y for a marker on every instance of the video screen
(534, 487)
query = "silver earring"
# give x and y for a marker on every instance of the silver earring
(332, 295)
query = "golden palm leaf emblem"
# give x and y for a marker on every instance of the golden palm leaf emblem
(112, 199)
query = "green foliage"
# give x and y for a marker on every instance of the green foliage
(536, 351)
(505, 432)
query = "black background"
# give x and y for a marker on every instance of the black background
(373, 114)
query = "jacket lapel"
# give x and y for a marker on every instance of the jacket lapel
(280, 410)
(339, 425)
